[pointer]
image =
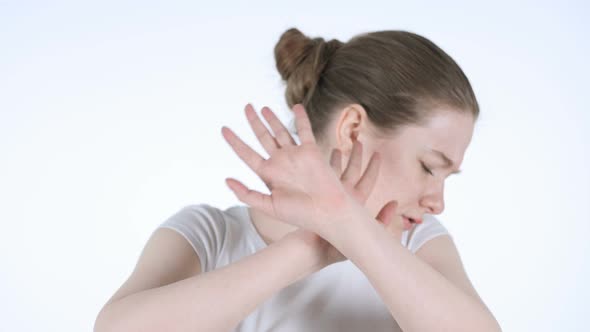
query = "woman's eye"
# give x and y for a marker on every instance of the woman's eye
(426, 169)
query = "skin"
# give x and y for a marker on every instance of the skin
(401, 175)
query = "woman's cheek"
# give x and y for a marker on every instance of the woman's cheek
(379, 196)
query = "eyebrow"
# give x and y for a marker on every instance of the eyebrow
(447, 160)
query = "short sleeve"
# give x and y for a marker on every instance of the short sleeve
(430, 228)
(203, 226)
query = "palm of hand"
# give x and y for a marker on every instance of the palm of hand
(303, 187)
(305, 190)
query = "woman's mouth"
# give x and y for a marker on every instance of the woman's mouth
(408, 223)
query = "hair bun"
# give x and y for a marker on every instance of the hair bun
(300, 61)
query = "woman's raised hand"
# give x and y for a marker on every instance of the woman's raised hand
(305, 190)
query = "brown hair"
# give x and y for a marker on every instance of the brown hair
(398, 77)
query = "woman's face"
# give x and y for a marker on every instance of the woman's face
(403, 174)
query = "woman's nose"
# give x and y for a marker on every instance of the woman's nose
(434, 201)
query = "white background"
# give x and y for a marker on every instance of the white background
(110, 118)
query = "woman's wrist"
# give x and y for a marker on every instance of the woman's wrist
(311, 247)
(348, 223)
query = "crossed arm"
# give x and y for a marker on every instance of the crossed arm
(428, 291)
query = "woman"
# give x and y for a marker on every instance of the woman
(391, 96)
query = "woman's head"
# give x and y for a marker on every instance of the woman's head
(394, 91)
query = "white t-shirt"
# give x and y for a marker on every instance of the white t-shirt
(337, 298)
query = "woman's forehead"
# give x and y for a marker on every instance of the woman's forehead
(448, 132)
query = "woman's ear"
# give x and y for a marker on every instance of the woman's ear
(350, 123)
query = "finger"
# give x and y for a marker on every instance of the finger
(282, 135)
(386, 213)
(353, 169)
(367, 181)
(253, 198)
(246, 153)
(336, 161)
(303, 125)
(264, 136)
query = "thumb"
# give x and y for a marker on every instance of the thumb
(385, 215)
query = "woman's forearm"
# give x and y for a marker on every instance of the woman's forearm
(418, 296)
(216, 300)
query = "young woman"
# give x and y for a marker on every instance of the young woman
(333, 248)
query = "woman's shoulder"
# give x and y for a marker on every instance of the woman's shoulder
(430, 228)
(206, 213)
(212, 231)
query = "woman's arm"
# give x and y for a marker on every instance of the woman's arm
(216, 300)
(418, 296)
